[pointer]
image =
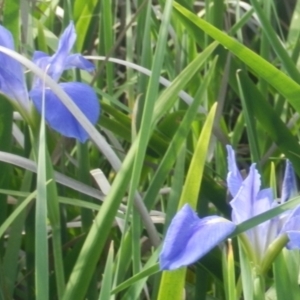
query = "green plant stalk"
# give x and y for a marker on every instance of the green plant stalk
(229, 271)
(272, 252)
(259, 287)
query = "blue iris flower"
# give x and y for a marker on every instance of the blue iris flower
(12, 81)
(189, 237)
(58, 117)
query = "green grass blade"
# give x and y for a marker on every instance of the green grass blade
(259, 66)
(172, 283)
(282, 53)
(147, 271)
(41, 232)
(108, 39)
(250, 126)
(107, 276)
(4, 226)
(83, 13)
(176, 143)
(151, 96)
(270, 121)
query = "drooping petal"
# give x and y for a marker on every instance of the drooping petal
(242, 204)
(292, 228)
(234, 177)
(12, 81)
(78, 61)
(289, 184)
(58, 116)
(189, 238)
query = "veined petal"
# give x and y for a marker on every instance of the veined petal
(292, 228)
(58, 116)
(242, 204)
(234, 177)
(264, 201)
(78, 61)
(289, 184)
(189, 238)
(263, 234)
(12, 81)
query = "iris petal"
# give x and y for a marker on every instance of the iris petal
(189, 238)
(292, 228)
(261, 235)
(37, 55)
(234, 177)
(78, 61)
(58, 60)
(58, 116)
(294, 239)
(242, 203)
(12, 81)
(289, 185)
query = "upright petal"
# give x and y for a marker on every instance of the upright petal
(58, 62)
(263, 234)
(243, 203)
(189, 238)
(58, 116)
(42, 60)
(12, 81)
(292, 228)
(289, 184)
(264, 201)
(59, 59)
(234, 177)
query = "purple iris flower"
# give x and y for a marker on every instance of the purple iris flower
(58, 117)
(189, 238)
